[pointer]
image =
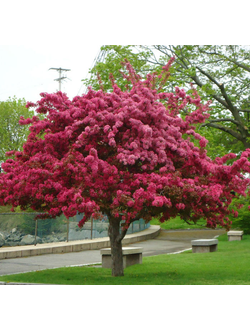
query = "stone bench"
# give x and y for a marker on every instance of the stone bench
(204, 245)
(131, 256)
(235, 235)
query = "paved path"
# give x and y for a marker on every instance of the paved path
(166, 242)
(172, 241)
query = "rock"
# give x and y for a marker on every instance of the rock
(2, 236)
(2, 241)
(61, 237)
(50, 239)
(79, 235)
(6, 236)
(14, 238)
(38, 240)
(30, 239)
(11, 243)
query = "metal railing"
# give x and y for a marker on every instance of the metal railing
(23, 229)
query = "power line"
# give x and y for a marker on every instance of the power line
(60, 70)
(99, 58)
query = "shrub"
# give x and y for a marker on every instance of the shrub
(243, 220)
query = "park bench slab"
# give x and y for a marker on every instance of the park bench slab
(235, 235)
(131, 256)
(204, 245)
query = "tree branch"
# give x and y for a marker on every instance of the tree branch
(230, 105)
(224, 119)
(245, 110)
(209, 77)
(243, 66)
(216, 97)
(224, 129)
(123, 232)
(121, 236)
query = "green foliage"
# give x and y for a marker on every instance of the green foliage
(27, 224)
(115, 55)
(44, 226)
(219, 143)
(178, 223)
(5, 208)
(12, 135)
(242, 222)
(25, 221)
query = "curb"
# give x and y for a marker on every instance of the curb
(75, 246)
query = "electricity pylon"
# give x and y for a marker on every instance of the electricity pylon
(60, 70)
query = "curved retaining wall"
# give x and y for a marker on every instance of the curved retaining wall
(20, 229)
(75, 246)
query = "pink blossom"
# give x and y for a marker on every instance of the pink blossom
(180, 206)
(159, 201)
(111, 135)
(112, 143)
(124, 153)
(89, 159)
(130, 203)
(203, 142)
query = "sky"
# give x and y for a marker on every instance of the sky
(24, 70)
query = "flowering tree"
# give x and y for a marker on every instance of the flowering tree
(128, 155)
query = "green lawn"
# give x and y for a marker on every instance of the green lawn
(178, 223)
(228, 266)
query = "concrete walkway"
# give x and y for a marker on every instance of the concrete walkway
(153, 240)
(175, 241)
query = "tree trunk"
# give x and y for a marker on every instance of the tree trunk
(116, 247)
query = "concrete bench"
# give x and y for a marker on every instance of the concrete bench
(131, 256)
(235, 235)
(204, 245)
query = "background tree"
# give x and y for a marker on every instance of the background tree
(220, 73)
(115, 55)
(12, 135)
(127, 154)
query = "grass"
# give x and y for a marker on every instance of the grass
(178, 223)
(230, 265)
